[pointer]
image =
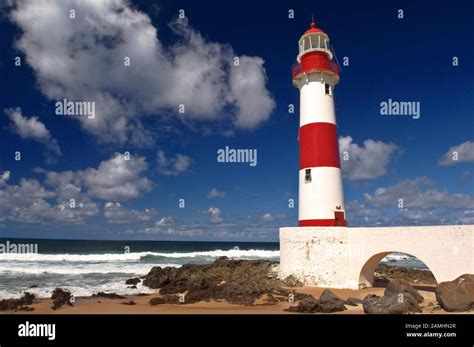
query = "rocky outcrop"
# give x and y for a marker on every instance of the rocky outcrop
(456, 295)
(61, 297)
(17, 304)
(236, 281)
(384, 273)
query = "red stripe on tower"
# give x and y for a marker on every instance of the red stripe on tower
(318, 145)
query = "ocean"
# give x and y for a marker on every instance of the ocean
(86, 267)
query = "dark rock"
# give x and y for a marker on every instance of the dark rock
(236, 281)
(156, 301)
(392, 304)
(165, 299)
(133, 281)
(384, 272)
(370, 296)
(132, 287)
(108, 295)
(307, 305)
(292, 281)
(61, 297)
(143, 294)
(399, 285)
(14, 304)
(353, 301)
(25, 309)
(271, 299)
(456, 295)
(131, 303)
(329, 302)
(33, 286)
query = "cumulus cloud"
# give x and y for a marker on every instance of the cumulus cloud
(115, 213)
(32, 128)
(463, 153)
(214, 193)
(115, 179)
(30, 202)
(164, 221)
(172, 166)
(4, 177)
(365, 162)
(418, 193)
(214, 215)
(83, 59)
(68, 196)
(253, 101)
(268, 217)
(411, 202)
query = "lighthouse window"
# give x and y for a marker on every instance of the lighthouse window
(307, 176)
(327, 89)
(306, 44)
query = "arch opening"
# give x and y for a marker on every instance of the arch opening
(383, 266)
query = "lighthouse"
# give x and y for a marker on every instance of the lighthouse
(321, 196)
(322, 250)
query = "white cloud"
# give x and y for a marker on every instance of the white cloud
(214, 215)
(32, 128)
(83, 59)
(418, 193)
(117, 214)
(214, 193)
(172, 166)
(115, 179)
(463, 153)
(268, 217)
(164, 221)
(4, 177)
(365, 162)
(252, 99)
(28, 202)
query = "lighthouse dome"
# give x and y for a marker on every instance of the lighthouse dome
(314, 40)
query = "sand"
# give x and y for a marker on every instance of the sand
(88, 305)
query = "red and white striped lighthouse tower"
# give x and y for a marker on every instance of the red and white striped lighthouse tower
(321, 196)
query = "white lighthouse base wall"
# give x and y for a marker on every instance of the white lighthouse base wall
(339, 257)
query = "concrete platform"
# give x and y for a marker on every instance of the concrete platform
(341, 257)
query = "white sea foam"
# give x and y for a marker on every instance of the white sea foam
(81, 269)
(118, 287)
(113, 257)
(397, 257)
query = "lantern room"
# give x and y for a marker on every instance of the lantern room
(314, 40)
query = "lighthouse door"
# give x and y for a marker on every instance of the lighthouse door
(339, 217)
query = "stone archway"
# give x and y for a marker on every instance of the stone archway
(339, 257)
(366, 277)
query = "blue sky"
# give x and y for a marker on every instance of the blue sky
(190, 62)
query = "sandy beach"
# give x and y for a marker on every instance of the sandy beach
(88, 305)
